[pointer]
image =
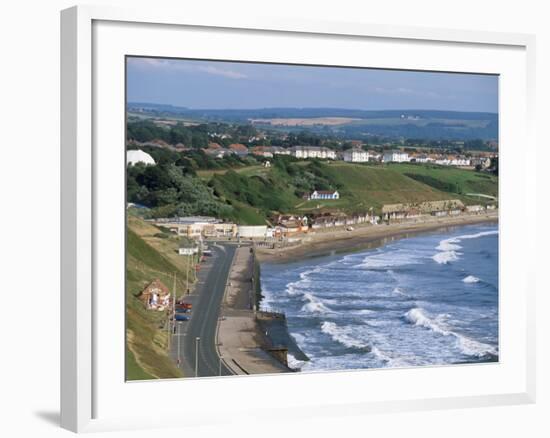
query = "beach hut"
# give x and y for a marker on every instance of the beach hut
(156, 296)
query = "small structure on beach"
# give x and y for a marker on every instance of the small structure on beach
(156, 296)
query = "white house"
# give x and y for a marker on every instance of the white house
(396, 156)
(423, 158)
(188, 248)
(356, 155)
(278, 150)
(313, 152)
(453, 161)
(325, 194)
(138, 156)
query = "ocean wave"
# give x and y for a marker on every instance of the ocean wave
(300, 287)
(467, 346)
(344, 336)
(399, 291)
(292, 289)
(446, 257)
(471, 347)
(391, 362)
(314, 305)
(449, 247)
(471, 279)
(416, 316)
(364, 312)
(294, 363)
(389, 259)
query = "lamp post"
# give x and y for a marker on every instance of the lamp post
(179, 343)
(197, 340)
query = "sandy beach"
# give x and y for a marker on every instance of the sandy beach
(363, 237)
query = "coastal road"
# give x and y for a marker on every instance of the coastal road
(206, 300)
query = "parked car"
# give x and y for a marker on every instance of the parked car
(184, 305)
(182, 310)
(180, 317)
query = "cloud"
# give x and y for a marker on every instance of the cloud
(185, 66)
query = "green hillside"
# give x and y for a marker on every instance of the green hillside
(253, 196)
(448, 178)
(150, 255)
(364, 186)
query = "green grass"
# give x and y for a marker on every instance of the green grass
(133, 369)
(362, 187)
(464, 181)
(147, 354)
(255, 192)
(254, 197)
(255, 170)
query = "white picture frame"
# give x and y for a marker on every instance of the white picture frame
(86, 404)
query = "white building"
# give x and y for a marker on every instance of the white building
(325, 194)
(423, 159)
(138, 156)
(278, 150)
(356, 155)
(313, 152)
(188, 248)
(252, 231)
(396, 157)
(453, 161)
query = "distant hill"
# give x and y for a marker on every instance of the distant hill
(411, 123)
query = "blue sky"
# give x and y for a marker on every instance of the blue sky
(233, 85)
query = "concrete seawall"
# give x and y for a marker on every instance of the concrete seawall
(242, 343)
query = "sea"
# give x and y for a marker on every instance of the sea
(430, 299)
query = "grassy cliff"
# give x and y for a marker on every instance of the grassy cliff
(151, 254)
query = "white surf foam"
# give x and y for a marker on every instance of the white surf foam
(343, 335)
(398, 291)
(471, 347)
(364, 312)
(468, 346)
(471, 279)
(392, 362)
(314, 304)
(445, 257)
(389, 259)
(294, 363)
(416, 316)
(449, 247)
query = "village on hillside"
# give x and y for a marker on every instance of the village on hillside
(287, 227)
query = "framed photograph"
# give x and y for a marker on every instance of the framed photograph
(253, 207)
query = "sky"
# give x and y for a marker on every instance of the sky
(233, 85)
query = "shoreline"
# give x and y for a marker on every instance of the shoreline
(241, 340)
(320, 244)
